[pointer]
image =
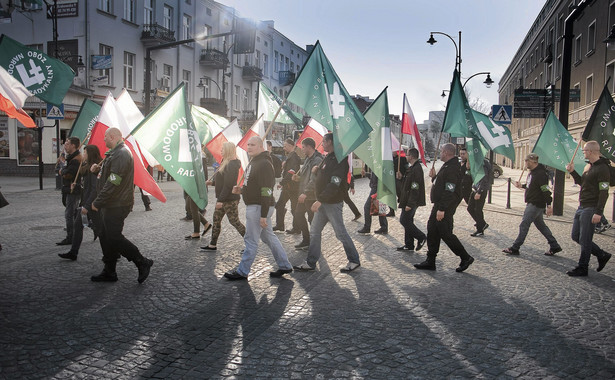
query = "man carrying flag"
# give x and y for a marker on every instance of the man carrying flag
(115, 200)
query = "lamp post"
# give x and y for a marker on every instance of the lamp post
(432, 41)
(204, 86)
(488, 82)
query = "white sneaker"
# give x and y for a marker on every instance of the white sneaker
(349, 267)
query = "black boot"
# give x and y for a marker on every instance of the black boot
(108, 273)
(143, 266)
(428, 264)
(71, 255)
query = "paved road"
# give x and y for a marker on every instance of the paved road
(506, 317)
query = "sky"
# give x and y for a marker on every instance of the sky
(374, 44)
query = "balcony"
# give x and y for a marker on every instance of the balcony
(217, 106)
(213, 59)
(252, 73)
(154, 34)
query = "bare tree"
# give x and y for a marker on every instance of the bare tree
(477, 104)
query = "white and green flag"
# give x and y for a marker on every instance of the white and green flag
(494, 136)
(269, 103)
(207, 123)
(320, 92)
(168, 133)
(376, 151)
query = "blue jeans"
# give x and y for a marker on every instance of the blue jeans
(254, 231)
(384, 224)
(583, 233)
(533, 214)
(331, 213)
(411, 231)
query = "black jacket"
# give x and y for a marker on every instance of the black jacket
(306, 178)
(594, 185)
(89, 190)
(537, 187)
(73, 162)
(445, 191)
(466, 180)
(225, 180)
(413, 188)
(291, 166)
(258, 185)
(331, 184)
(115, 184)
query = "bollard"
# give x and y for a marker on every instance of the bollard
(613, 216)
(508, 195)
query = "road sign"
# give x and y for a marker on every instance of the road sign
(55, 112)
(501, 113)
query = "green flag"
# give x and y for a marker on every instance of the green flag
(555, 146)
(168, 133)
(377, 152)
(45, 77)
(86, 118)
(207, 123)
(320, 92)
(268, 104)
(601, 126)
(494, 136)
(459, 122)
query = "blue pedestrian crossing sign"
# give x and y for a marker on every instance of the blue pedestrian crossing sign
(501, 113)
(55, 112)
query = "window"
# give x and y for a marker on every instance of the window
(207, 32)
(129, 70)
(577, 87)
(281, 66)
(105, 5)
(148, 12)
(129, 10)
(286, 64)
(275, 62)
(186, 27)
(186, 79)
(167, 17)
(611, 18)
(236, 98)
(106, 75)
(591, 37)
(208, 11)
(167, 78)
(610, 72)
(589, 89)
(257, 59)
(246, 100)
(532, 62)
(38, 47)
(265, 65)
(577, 49)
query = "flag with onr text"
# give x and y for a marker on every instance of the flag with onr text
(601, 124)
(168, 133)
(320, 92)
(269, 103)
(494, 136)
(46, 78)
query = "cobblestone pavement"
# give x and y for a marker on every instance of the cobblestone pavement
(505, 317)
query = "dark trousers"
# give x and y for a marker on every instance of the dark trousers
(443, 230)
(72, 202)
(197, 217)
(411, 231)
(351, 204)
(145, 198)
(112, 241)
(475, 208)
(94, 218)
(384, 224)
(300, 221)
(280, 206)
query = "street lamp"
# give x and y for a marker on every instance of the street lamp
(443, 93)
(488, 82)
(204, 86)
(432, 41)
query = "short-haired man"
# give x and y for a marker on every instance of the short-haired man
(537, 197)
(330, 186)
(257, 194)
(307, 196)
(466, 176)
(412, 196)
(289, 187)
(115, 200)
(592, 199)
(71, 194)
(445, 196)
(476, 202)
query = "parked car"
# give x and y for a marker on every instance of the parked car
(497, 170)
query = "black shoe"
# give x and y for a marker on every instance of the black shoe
(357, 216)
(66, 241)
(381, 231)
(420, 244)
(511, 251)
(208, 248)
(68, 255)
(477, 233)
(186, 218)
(427, 264)
(363, 231)
(391, 213)
(105, 277)
(233, 275)
(278, 229)
(144, 266)
(302, 245)
(484, 228)
(602, 261)
(293, 232)
(464, 264)
(404, 248)
(577, 272)
(147, 208)
(280, 272)
(553, 251)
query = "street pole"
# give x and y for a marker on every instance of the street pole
(564, 106)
